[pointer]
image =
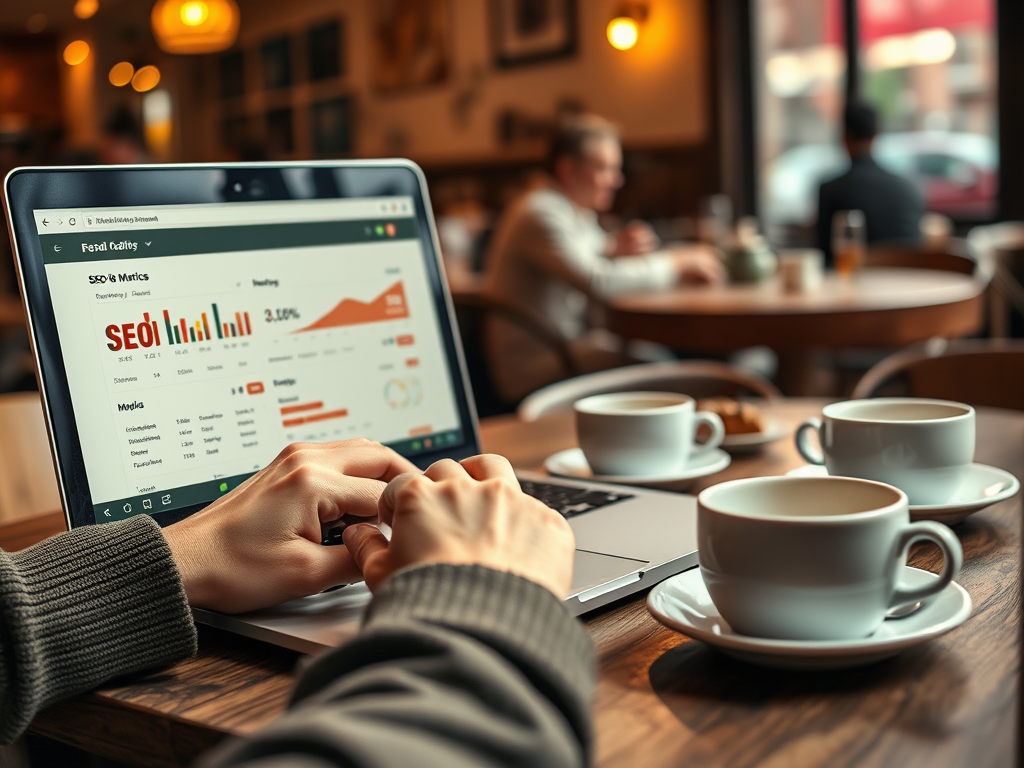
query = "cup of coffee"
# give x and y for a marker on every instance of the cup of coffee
(801, 558)
(643, 434)
(802, 269)
(923, 447)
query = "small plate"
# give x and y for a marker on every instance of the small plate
(682, 603)
(572, 463)
(983, 487)
(751, 442)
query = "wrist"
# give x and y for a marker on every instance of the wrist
(190, 561)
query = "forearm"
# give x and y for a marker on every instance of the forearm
(83, 607)
(457, 665)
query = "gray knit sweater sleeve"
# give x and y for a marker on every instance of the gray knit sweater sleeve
(85, 606)
(456, 667)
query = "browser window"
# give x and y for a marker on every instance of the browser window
(199, 340)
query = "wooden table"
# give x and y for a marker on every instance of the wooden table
(879, 308)
(664, 700)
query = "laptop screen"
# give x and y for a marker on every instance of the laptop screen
(199, 340)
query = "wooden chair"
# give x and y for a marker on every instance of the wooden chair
(1002, 245)
(987, 372)
(954, 256)
(472, 308)
(699, 378)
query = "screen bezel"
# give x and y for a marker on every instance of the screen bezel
(30, 189)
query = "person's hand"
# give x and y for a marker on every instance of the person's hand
(698, 264)
(260, 544)
(468, 513)
(634, 239)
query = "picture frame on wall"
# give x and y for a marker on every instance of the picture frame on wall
(530, 31)
(276, 54)
(325, 49)
(231, 75)
(331, 123)
(410, 43)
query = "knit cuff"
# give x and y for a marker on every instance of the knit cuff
(520, 619)
(87, 605)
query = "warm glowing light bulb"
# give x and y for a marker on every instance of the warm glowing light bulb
(86, 9)
(76, 52)
(623, 33)
(146, 78)
(194, 13)
(121, 73)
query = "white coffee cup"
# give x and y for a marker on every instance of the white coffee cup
(643, 434)
(923, 447)
(802, 270)
(812, 558)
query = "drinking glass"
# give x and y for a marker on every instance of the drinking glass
(849, 241)
(715, 222)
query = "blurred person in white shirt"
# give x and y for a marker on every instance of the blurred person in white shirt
(551, 257)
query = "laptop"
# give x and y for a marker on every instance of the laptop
(189, 321)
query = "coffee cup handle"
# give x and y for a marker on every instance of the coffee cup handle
(952, 559)
(714, 421)
(811, 454)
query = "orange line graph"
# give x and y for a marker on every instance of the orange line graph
(390, 305)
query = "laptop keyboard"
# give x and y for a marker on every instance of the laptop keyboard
(569, 501)
(564, 499)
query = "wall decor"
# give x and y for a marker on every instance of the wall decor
(276, 55)
(231, 71)
(331, 123)
(531, 31)
(325, 51)
(410, 43)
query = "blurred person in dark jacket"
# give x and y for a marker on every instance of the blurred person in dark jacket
(892, 205)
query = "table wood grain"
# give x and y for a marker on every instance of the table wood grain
(662, 699)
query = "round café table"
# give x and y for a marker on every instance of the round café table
(881, 307)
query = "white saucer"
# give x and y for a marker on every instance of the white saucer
(983, 487)
(572, 463)
(682, 603)
(751, 442)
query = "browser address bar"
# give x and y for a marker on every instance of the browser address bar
(122, 219)
(219, 214)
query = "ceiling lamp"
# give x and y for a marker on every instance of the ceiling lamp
(195, 26)
(76, 52)
(624, 29)
(146, 79)
(121, 74)
(86, 9)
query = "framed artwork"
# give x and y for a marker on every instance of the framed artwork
(231, 72)
(331, 122)
(277, 63)
(529, 31)
(410, 43)
(280, 138)
(323, 45)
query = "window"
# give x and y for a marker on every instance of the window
(929, 69)
(927, 66)
(800, 69)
